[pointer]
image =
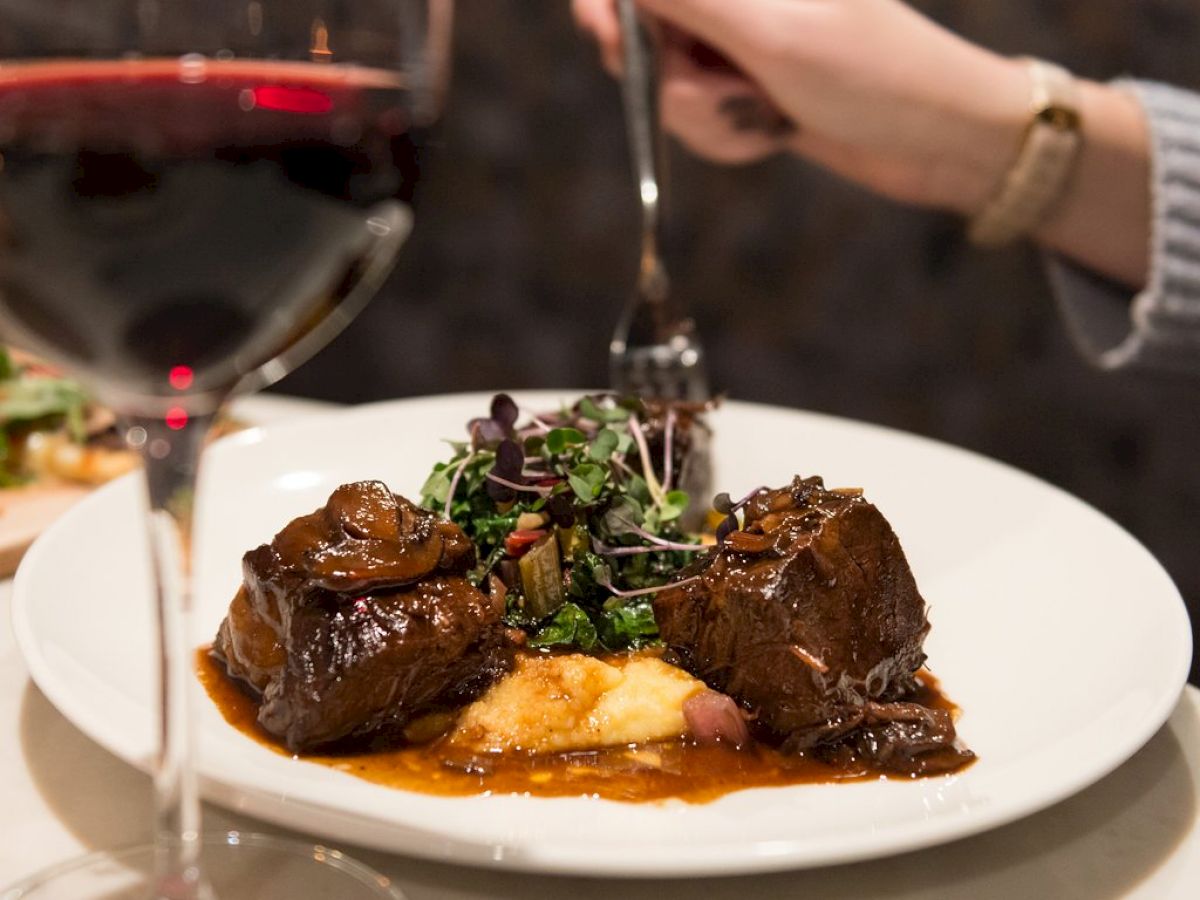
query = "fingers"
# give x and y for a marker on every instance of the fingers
(741, 30)
(713, 110)
(716, 114)
(599, 17)
(736, 30)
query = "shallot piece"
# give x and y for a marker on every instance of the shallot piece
(714, 717)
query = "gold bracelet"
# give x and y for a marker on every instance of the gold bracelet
(1044, 164)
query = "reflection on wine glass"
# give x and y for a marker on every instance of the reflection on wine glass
(194, 197)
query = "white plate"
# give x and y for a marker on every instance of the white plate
(1062, 639)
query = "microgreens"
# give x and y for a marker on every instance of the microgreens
(589, 474)
(723, 504)
(498, 426)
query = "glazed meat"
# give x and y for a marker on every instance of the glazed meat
(810, 618)
(356, 618)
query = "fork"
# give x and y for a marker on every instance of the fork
(655, 350)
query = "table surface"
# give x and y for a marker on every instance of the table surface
(1134, 834)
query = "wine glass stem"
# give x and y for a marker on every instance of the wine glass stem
(170, 450)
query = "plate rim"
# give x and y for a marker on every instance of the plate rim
(282, 810)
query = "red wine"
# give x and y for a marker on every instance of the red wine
(160, 217)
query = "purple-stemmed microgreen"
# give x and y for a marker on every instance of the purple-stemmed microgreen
(505, 476)
(540, 490)
(466, 461)
(656, 545)
(723, 504)
(641, 592)
(498, 426)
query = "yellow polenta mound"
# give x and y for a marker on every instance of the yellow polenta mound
(551, 704)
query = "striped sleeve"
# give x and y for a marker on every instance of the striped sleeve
(1158, 328)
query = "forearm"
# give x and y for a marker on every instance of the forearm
(1102, 218)
(946, 133)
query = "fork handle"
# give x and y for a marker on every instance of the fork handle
(640, 93)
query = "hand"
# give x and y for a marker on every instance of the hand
(887, 98)
(877, 93)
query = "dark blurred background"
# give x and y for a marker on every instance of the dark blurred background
(809, 292)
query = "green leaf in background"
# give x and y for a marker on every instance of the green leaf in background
(589, 409)
(560, 438)
(437, 485)
(603, 446)
(8, 477)
(7, 369)
(27, 399)
(673, 506)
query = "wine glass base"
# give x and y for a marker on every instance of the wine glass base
(237, 866)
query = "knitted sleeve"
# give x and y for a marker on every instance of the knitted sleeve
(1158, 328)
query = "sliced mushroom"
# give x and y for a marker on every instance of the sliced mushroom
(373, 564)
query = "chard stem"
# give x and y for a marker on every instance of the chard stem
(639, 437)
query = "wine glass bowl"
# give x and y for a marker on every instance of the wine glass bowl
(193, 212)
(241, 866)
(194, 198)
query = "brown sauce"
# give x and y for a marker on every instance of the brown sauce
(678, 769)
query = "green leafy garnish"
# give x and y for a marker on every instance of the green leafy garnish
(589, 409)
(29, 402)
(631, 625)
(602, 448)
(31, 399)
(569, 626)
(587, 481)
(559, 439)
(584, 476)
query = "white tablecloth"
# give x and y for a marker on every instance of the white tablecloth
(1134, 834)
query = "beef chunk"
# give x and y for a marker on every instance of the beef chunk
(355, 619)
(904, 737)
(810, 618)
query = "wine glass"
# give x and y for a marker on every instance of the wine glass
(194, 196)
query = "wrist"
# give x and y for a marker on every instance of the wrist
(1103, 217)
(982, 137)
(1045, 165)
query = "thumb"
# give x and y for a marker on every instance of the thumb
(740, 29)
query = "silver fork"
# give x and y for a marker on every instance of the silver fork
(655, 351)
